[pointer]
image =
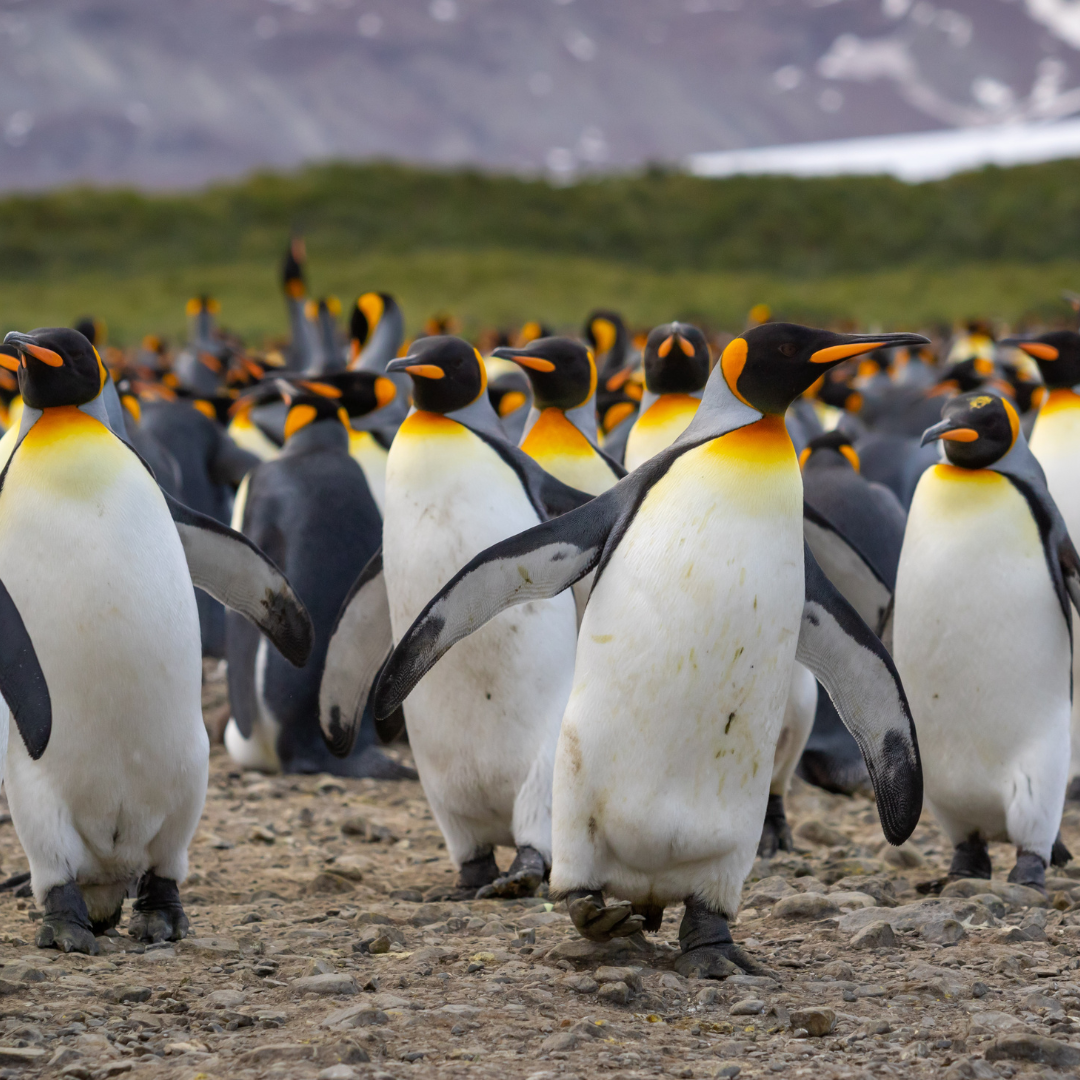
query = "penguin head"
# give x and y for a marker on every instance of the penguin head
(447, 373)
(1056, 353)
(367, 313)
(676, 359)
(509, 388)
(977, 429)
(57, 366)
(833, 450)
(770, 365)
(606, 332)
(129, 399)
(308, 401)
(292, 270)
(562, 371)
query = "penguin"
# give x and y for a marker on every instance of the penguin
(165, 467)
(560, 433)
(705, 596)
(511, 396)
(676, 362)
(330, 354)
(109, 796)
(303, 352)
(311, 511)
(1055, 442)
(987, 567)
(618, 393)
(200, 366)
(483, 728)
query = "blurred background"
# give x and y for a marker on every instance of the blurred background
(881, 161)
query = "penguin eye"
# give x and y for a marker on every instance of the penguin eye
(788, 349)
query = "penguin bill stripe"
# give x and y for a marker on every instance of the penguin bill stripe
(862, 681)
(359, 645)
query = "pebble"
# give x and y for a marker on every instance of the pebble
(878, 935)
(748, 1007)
(338, 983)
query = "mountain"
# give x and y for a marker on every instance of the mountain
(175, 93)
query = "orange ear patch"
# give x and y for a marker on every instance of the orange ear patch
(732, 362)
(299, 417)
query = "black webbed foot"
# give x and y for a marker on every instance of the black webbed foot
(157, 914)
(708, 951)
(971, 859)
(66, 925)
(775, 832)
(525, 876)
(598, 921)
(1030, 870)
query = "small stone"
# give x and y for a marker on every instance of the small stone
(816, 1021)
(129, 993)
(378, 939)
(618, 974)
(328, 884)
(709, 996)
(805, 906)
(878, 935)
(355, 1016)
(22, 1055)
(748, 1007)
(906, 857)
(1034, 1048)
(226, 999)
(817, 832)
(580, 984)
(615, 993)
(943, 932)
(338, 983)
(338, 1072)
(262, 835)
(729, 1072)
(560, 1042)
(352, 867)
(210, 947)
(65, 1055)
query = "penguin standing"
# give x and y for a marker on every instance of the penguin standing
(705, 595)
(676, 362)
(303, 352)
(560, 433)
(1055, 442)
(311, 511)
(111, 793)
(483, 727)
(987, 567)
(511, 396)
(618, 394)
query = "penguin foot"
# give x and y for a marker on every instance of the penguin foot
(971, 859)
(775, 832)
(99, 926)
(1060, 855)
(157, 913)
(653, 914)
(66, 925)
(525, 876)
(477, 872)
(705, 938)
(599, 922)
(371, 764)
(1030, 870)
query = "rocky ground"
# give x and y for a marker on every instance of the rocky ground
(316, 951)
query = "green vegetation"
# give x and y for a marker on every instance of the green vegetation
(498, 250)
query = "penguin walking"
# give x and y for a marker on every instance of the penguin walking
(987, 566)
(1055, 442)
(705, 596)
(311, 511)
(483, 727)
(560, 433)
(105, 563)
(676, 362)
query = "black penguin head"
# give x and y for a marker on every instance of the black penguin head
(770, 365)
(977, 430)
(92, 329)
(367, 313)
(447, 373)
(509, 390)
(1056, 353)
(57, 366)
(292, 270)
(562, 371)
(606, 332)
(309, 401)
(357, 393)
(833, 450)
(676, 359)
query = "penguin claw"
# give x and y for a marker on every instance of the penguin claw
(68, 937)
(157, 926)
(511, 886)
(602, 922)
(720, 962)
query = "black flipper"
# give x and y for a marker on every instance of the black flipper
(228, 566)
(359, 645)
(534, 565)
(22, 682)
(851, 663)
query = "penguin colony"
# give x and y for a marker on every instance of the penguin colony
(615, 591)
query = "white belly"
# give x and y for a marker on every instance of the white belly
(658, 427)
(95, 566)
(683, 668)
(982, 648)
(369, 454)
(480, 718)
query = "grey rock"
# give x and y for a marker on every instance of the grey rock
(942, 932)
(560, 1041)
(816, 1021)
(580, 984)
(1035, 1048)
(805, 906)
(618, 974)
(875, 936)
(748, 1007)
(336, 983)
(614, 993)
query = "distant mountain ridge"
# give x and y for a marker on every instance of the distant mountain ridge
(176, 93)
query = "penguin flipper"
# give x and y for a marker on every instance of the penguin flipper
(1070, 569)
(22, 682)
(228, 566)
(359, 645)
(534, 565)
(861, 679)
(241, 647)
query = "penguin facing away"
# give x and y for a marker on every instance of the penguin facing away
(705, 595)
(511, 396)
(987, 563)
(483, 728)
(105, 562)
(311, 511)
(560, 432)
(676, 362)
(1055, 442)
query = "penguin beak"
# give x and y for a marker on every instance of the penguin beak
(1038, 350)
(409, 365)
(845, 346)
(950, 431)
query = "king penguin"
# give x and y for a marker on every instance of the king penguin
(987, 567)
(1055, 442)
(483, 728)
(676, 362)
(560, 432)
(105, 564)
(311, 511)
(705, 595)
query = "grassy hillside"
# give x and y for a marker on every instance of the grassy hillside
(499, 249)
